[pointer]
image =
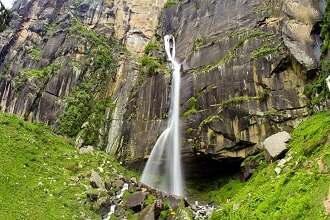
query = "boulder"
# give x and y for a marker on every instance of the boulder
(136, 201)
(86, 150)
(275, 145)
(96, 180)
(103, 205)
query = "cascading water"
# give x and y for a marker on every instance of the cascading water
(163, 170)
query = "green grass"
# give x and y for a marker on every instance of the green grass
(297, 193)
(41, 174)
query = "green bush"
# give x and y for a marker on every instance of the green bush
(151, 46)
(170, 3)
(149, 65)
(5, 17)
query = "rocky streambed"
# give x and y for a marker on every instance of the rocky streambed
(127, 198)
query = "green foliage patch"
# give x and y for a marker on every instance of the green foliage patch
(317, 91)
(5, 17)
(86, 104)
(41, 174)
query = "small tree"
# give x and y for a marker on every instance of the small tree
(4, 17)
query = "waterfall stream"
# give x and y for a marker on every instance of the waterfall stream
(163, 170)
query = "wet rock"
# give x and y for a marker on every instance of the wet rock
(174, 202)
(136, 201)
(96, 180)
(202, 211)
(148, 213)
(275, 145)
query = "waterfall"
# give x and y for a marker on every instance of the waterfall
(163, 169)
(328, 82)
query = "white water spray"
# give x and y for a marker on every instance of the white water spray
(163, 170)
(328, 82)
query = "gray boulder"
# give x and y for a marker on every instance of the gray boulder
(136, 201)
(96, 180)
(86, 150)
(275, 145)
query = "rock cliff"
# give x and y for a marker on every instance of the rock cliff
(86, 68)
(245, 67)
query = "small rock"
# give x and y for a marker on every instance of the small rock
(79, 141)
(136, 201)
(322, 166)
(96, 180)
(133, 180)
(86, 150)
(278, 170)
(94, 194)
(275, 145)
(108, 186)
(118, 184)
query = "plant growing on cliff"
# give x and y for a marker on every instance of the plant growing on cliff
(192, 107)
(85, 107)
(318, 91)
(170, 3)
(5, 17)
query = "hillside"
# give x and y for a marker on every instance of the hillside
(300, 189)
(42, 175)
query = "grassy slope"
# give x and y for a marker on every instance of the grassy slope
(297, 193)
(41, 174)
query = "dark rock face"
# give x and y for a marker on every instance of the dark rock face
(245, 65)
(39, 37)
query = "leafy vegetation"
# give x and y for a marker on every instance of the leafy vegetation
(86, 105)
(192, 107)
(5, 17)
(38, 73)
(149, 65)
(170, 3)
(42, 176)
(297, 193)
(84, 114)
(317, 91)
(242, 38)
(153, 45)
(209, 120)
(35, 53)
(266, 50)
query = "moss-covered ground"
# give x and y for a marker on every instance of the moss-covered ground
(42, 176)
(298, 192)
